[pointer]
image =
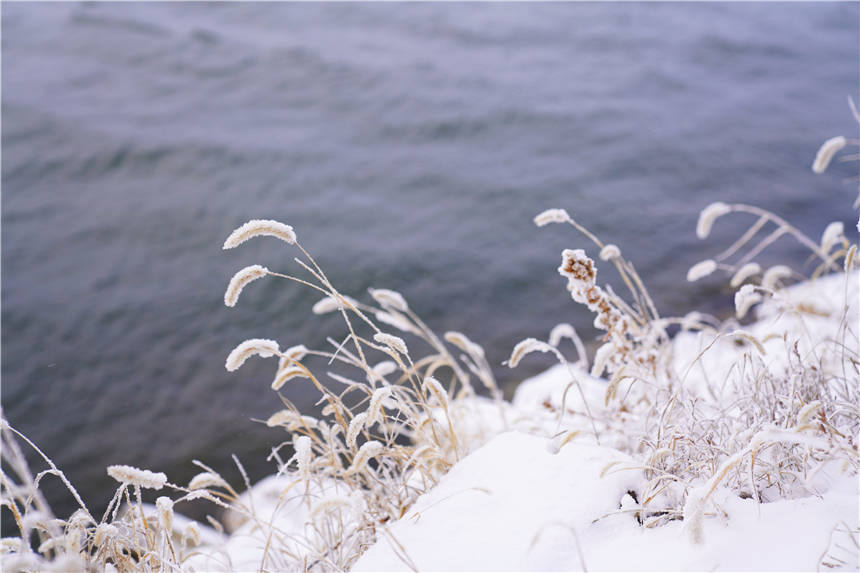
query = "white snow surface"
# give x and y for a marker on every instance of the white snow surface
(512, 505)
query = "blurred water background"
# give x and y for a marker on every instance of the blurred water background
(410, 145)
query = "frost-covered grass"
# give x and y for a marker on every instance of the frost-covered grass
(729, 445)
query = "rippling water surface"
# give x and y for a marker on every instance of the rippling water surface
(410, 145)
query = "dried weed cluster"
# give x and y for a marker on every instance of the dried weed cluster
(763, 412)
(767, 411)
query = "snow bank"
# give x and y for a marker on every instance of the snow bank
(513, 505)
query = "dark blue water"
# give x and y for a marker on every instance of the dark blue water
(410, 145)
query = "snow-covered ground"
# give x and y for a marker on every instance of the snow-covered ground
(513, 505)
(525, 498)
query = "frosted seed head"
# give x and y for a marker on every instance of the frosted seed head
(609, 252)
(396, 320)
(385, 368)
(389, 299)
(552, 216)
(164, 505)
(331, 304)
(707, 217)
(130, 475)
(104, 532)
(774, 275)
(463, 342)
(580, 272)
(701, 270)
(560, 331)
(282, 418)
(254, 346)
(285, 375)
(601, 357)
(291, 356)
(240, 280)
(259, 227)
(525, 347)
(369, 450)
(326, 305)
(808, 411)
(355, 426)
(393, 342)
(826, 152)
(834, 233)
(207, 479)
(304, 453)
(296, 352)
(435, 388)
(745, 298)
(743, 273)
(691, 320)
(192, 534)
(375, 408)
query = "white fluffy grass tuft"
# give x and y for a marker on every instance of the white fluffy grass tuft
(240, 280)
(251, 347)
(130, 475)
(826, 152)
(260, 227)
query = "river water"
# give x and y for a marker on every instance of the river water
(409, 145)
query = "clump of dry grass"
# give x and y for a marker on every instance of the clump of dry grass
(130, 536)
(783, 410)
(391, 428)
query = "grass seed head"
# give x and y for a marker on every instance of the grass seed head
(826, 152)
(834, 233)
(240, 280)
(164, 505)
(260, 227)
(206, 480)
(745, 298)
(743, 273)
(774, 275)
(389, 299)
(609, 252)
(552, 216)
(252, 347)
(707, 217)
(701, 270)
(393, 342)
(130, 475)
